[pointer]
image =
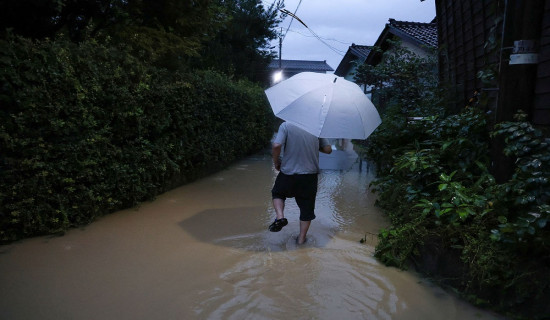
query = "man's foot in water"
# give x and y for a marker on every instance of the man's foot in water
(278, 224)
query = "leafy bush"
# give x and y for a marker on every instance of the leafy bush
(453, 221)
(528, 191)
(404, 85)
(431, 184)
(88, 129)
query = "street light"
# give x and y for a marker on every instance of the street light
(277, 76)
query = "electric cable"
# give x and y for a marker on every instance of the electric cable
(340, 52)
(293, 16)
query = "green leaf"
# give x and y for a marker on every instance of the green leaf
(446, 145)
(463, 213)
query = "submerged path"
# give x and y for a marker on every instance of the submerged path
(202, 251)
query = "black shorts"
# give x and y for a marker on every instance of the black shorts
(303, 187)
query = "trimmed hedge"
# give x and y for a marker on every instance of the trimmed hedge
(88, 129)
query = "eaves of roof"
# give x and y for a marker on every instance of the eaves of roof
(354, 53)
(360, 51)
(300, 65)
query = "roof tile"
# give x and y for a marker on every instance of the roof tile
(301, 64)
(360, 50)
(425, 33)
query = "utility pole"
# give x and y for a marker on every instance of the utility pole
(281, 36)
(278, 76)
(280, 48)
(520, 45)
(518, 70)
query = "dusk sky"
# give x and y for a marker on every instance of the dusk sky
(340, 23)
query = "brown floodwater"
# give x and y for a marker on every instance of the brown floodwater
(202, 251)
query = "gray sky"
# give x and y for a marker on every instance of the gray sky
(339, 23)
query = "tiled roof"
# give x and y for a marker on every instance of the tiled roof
(300, 65)
(355, 52)
(360, 51)
(425, 33)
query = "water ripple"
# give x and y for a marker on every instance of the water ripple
(340, 283)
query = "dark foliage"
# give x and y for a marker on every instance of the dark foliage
(87, 128)
(231, 37)
(450, 218)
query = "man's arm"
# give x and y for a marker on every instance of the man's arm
(325, 146)
(275, 155)
(326, 149)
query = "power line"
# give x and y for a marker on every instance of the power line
(340, 52)
(326, 39)
(293, 16)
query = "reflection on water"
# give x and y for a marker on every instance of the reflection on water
(203, 251)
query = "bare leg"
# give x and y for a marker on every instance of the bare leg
(279, 206)
(304, 227)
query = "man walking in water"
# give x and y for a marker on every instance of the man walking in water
(297, 178)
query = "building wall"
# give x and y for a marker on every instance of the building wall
(473, 55)
(351, 73)
(413, 47)
(541, 112)
(468, 38)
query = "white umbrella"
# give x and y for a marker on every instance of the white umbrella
(324, 105)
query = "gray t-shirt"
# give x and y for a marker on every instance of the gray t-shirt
(300, 150)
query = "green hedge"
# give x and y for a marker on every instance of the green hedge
(88, 129)
(453, 222)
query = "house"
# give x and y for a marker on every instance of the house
(289, 68)
(418, 37)
(355, 54)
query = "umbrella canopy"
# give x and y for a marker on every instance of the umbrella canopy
(324, 105)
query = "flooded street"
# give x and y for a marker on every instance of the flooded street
(202, 251)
